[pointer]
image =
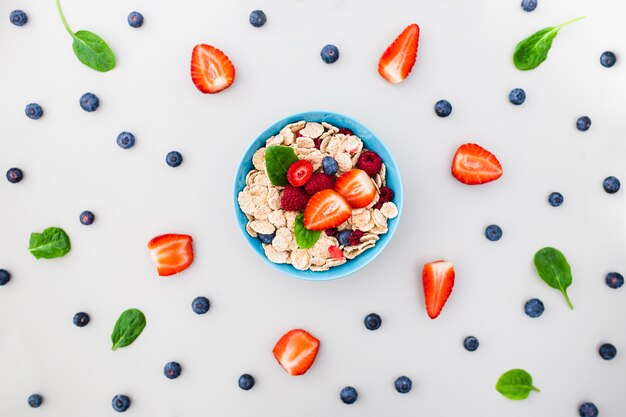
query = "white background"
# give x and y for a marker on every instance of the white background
(71, 163)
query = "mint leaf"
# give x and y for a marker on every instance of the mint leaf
(515, 384)
(554, 270)
(305, 238)
(53, 242)
(128, 327)
(277, 162)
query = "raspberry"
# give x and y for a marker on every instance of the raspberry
(318, 182)
(318, 143)
(386, 194)
(370, 162)
(294, 199)
(299, 172)
(355, 237)
(345, 131)
(332, 232)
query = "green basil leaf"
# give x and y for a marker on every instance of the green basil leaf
(305, 238)
(533, 50)
(92, 51)
(516, 384)
(127, 328)
(277, 162)
(554, 270)
(53, 242)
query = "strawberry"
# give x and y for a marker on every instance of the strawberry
(296, 351)
(356, 187)
(473, 164)
(398, 59)
(299, 173)
(336, 253)
(438, 280)
(211, 70)
(171, 253)
(325, 210)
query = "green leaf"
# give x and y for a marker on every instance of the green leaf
(515, 384)
(533, 50)
(53, 242)
(305, 238)
(554, 270)
(277, 162)
(127, 328)
(92, 51)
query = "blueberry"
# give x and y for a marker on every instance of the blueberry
(86, 217)
(588, 410)
(81, 319)
(329, 165)
(329, 54)
(174, 159)
(257, 18)
(372, 321)
(493, 232)
(607, 351)
(614, 279)
(89, 102)
(120, 403)
(344, 237)
(135, 19)
(555, 199)
(5, 277)
(172, 370)
(15, 175)
(125, 140)
(35, 400)
(517, 96)
(200, 305)
(403, 384)
(266, 238)
(470, 343)
(246, 382)
(33, 111)
(583, 123)
(348, 395)
(18, 17)
(611, 184)
(529, 5)
(608, 59)
(534, 308)
(443, 108)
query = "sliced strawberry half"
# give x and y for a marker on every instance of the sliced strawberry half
(398, 59)
(211, 70)
(356, 187)
(473, 164)
(438, 280)
(325, 210)
(171, 253)
(336, 253)
(296, 351)
(299, 172)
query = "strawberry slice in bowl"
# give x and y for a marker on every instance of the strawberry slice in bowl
(171, 253)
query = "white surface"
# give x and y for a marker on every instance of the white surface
(71, 163)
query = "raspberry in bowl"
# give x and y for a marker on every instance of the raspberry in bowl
(318, 196)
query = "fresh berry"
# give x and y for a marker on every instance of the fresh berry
(172, 370)
(608, 59)
(397, 61)
(257, 18)
(125, 140)
(18, 17)
(344, 237)
(296, 351)
(266, 238)
(15, 175)
(348, 395)
(517, 96)
(174, 159)
(329, 54)
(403, 384)
(171, 253)
(200, 305)
(493, 232)
(529, 5)
(336, 253)
(611, 185)
(299, 173)
(33, 111)
(534, 308)
(329, 165)
(370, 162)
(555, 199)
(317, 142)
(385, 195)
(318, 182)
(120, 403)
(211, 70)
(294, 199)
(583, 123)
(5, 277)
(607, 351)
(246, 382)
(345, 131)
(355, 237)
(81, 319)
(614, 280)
(438, 280)
(470, 343)
(372, 321)
(135, 19)
(326, 209)
(588, 410)
(331, 232)
(473, 164)
(443, 108)
(89, 102)
(86, 217)
(35, 400)
(356, 187)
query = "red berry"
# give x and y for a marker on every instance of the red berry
(345, 131)
(332, 232)
(370, 162)
(336, 253)
(385, 195)
(318, 182)
(294, 199)
(355, 237)
(318, 143)
(299, 172)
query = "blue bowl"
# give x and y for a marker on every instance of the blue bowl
(370, 142)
